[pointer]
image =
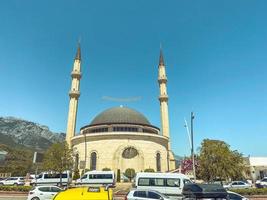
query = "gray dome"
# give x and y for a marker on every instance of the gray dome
(118, 115)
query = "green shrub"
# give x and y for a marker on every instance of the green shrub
(106, 169)
(16, 188)
(251, 191)
(129, 173)
(118, 175)
(76, 174)
(149, 170)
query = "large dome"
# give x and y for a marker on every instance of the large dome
(118, 115)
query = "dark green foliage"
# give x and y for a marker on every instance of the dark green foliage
(118, 175)
(251, 191)
(106, 169)
(58, 158)
(84, 171)
(149, 170)
(76, 174)
(18, 161)
(129, 173)
(16, 188)
(217, 161)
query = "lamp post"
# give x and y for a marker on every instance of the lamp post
(192, 145)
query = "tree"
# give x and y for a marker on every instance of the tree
(18, 161)
(217, 161)
(58, 158)
(118, 175)
(129, 173)
(76, 174)
(149, 170)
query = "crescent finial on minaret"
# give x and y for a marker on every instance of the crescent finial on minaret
(78, 53)
(161, 59)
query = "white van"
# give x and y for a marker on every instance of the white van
(52, 178)
(170, 184)
(97, 178)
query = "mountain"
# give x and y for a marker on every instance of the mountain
(16, 132)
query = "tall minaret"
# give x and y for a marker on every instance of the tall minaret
(163, 99)
(74, 96)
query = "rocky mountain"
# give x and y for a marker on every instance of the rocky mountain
(22, 133)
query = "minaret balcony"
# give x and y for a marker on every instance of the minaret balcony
(163, 97)
(74, 94)
(76, 74)
(162, 79)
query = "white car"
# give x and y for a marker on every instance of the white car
(262, 183)
(13, 181)
(43, 193)
(235, 196)
(140, 194)
(238, 185)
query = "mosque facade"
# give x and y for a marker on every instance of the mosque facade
(120, 137)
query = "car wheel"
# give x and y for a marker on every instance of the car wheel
(1, 184)
(35, 198)
(15, 184)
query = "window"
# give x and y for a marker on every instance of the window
(100, 176)
(84, 176)
(173, 182)
(234, 196)
(143, 181)
(129, 153)
(44, 189)
(186, 181)
(153, 195)
(76, 161)
(140, 194)
(93, 161)
(158, 162)
(156, 181)
(55, 189)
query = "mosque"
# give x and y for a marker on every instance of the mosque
(120, 138)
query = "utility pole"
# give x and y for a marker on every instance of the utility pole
(192, 145)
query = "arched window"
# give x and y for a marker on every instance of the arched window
(158, 162)
(93, 161)
(76, 161)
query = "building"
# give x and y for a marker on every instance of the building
(120, 137)
(258, 167)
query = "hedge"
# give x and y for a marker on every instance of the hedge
(16, 188)
(251, 191)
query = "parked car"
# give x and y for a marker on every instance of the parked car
(261, 183)
(13, 181)
(139, 194)
(204, 191)
(238, 185)
(235, 196)
(43, 192)
(88, 193)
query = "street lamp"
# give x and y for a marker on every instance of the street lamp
(191, 142)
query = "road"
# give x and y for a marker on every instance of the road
(2, 197)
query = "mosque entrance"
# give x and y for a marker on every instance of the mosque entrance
(130, 157)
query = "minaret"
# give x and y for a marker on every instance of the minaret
(163, 99)
(74, 95)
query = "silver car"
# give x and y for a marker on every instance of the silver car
(238, 185)
(140, 194)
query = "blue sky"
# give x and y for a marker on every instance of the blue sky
(215, 52)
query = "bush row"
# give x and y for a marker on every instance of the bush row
(251, 191)
(16, 188)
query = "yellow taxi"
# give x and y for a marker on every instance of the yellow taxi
(86, 193)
